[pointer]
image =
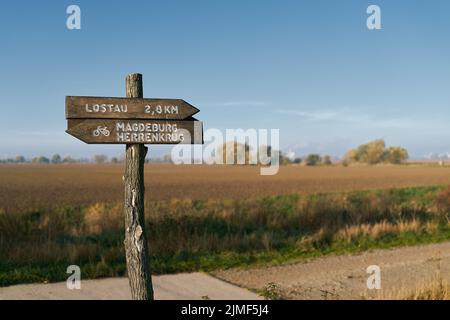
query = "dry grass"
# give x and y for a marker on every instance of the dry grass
(188, 235)
(435, 289)
(49, 186)
(438, 291)
(377, 230)
(431, 290)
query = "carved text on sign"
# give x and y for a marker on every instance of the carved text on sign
(106, 108)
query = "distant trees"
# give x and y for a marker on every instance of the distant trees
(373, 152)
(284, 159)
(56, 159)
(326, 160)
(69, 159)
(100, 158)
(167, 158)
(41, 160)
(20, 159)
(7, 160)
(376, 152)
(396, 155)
(233, 152)
(230, 150)
(313, 160)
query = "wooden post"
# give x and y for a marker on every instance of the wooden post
(136, 245)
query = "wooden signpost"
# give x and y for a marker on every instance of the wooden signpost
(134, 121)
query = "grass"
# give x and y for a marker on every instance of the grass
(185, 235)
(434, 289)
(437, 291)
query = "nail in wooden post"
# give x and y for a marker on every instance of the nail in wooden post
(136, 245)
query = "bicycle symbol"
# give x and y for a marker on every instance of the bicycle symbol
(101, 131)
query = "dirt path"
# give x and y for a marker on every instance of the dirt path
(339, 277)
(345, 277)
(182, 286)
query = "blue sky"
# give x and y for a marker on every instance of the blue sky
(310, 68)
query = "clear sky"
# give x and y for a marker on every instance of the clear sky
(308, 67)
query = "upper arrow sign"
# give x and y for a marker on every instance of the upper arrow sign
(127, 108)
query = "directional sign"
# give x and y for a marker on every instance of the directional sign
(127, 108)
(118, 131)
(134, 121)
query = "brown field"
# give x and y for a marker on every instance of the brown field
(25, 186)
(56, 215)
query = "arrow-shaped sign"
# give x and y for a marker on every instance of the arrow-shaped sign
(127, 108)
(117, 131)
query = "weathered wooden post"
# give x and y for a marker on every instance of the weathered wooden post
(134, 121)
(136, 245)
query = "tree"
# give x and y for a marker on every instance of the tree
(372, 152)
(20, 159)
(327, 160)
(396, 155)
(284, 159)
(376, 152)
(100, 158)
(56, 159)
(232, 151)
(68, 159)
(351, 156)
(41, 159)
(313, 160)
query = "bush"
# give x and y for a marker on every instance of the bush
(443, 200)
(271, 291)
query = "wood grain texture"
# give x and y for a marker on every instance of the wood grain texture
(136, 244)
(127, 108)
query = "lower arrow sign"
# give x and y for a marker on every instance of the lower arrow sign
(108, 131)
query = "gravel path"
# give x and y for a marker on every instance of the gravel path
(183, 286)
(345, 277)
(335, 277)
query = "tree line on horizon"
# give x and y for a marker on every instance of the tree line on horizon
(371, 153)
(57, 159)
